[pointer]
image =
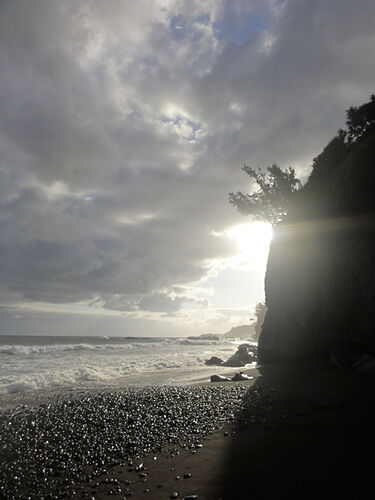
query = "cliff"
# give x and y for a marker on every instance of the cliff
(320, 279)
(240, 332)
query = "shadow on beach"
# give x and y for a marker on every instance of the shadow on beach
(303, 433)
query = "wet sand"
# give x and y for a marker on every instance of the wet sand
(287, 434)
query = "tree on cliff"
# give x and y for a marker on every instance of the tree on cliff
(361, 121)
(271, 201)
(331, 157)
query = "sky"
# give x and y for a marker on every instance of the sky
(124, 126)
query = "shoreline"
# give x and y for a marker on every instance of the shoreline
(51, 395)
(35, 369)
(303, 429)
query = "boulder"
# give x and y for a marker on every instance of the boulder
(241, 357)
(241, 376)
(214, 361)
(219, 378)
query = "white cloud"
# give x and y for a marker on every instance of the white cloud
(123, 126)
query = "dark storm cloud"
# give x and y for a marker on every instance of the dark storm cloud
(123, 127)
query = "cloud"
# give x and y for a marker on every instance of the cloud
(158, 302)
(161, 303)
(123, 126)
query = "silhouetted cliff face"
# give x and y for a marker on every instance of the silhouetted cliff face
(320, 280)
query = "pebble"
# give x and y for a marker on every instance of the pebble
(175, 494)
(76, 438)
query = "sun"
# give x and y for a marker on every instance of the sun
(252, 241)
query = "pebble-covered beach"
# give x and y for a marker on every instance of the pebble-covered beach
(51, 451)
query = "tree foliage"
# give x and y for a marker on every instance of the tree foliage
(271, 201)
(327, 187)
(330, 158)
(334, 187)
(361, 121)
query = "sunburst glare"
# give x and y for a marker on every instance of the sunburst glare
(252, 241)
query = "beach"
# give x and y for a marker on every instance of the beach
(76, 446)
(288, 433)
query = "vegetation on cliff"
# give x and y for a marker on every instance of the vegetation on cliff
(334, 186)
(342, 180)
(274, 196)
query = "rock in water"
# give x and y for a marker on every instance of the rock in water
(241, 357)
(214, 361)
(219, 378)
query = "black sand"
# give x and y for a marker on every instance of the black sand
(302, 433)
(53, 450)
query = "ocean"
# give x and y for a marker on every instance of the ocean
(50, 364)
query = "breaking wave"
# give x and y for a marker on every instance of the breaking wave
(24, 350)
(85, 364)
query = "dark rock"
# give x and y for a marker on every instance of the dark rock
(219, 378)
(214, 361)
(241, 376)
(241, 357)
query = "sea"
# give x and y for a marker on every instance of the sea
(31, 365)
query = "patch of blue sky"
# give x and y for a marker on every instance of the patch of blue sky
(241, 29)
(196, 132)
(179, 28)
(188, 130)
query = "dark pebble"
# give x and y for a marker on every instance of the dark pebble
(76, 438)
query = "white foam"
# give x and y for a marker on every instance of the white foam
(39, 367)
